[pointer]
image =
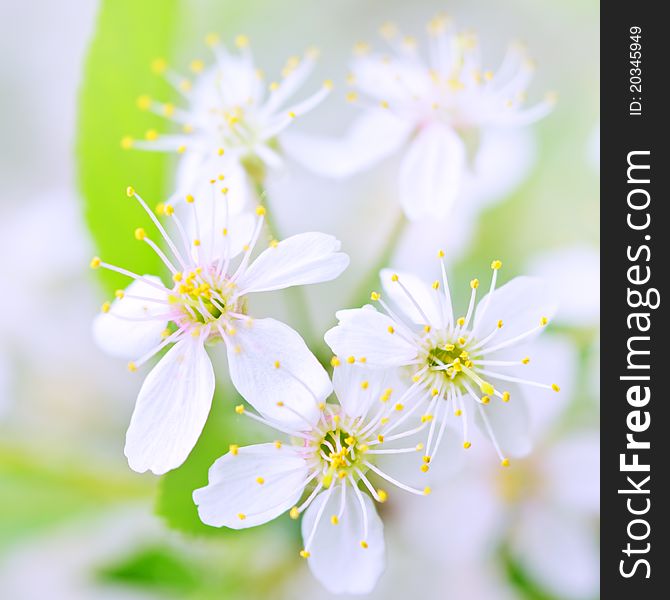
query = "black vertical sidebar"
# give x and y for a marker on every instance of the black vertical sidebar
(635, 262)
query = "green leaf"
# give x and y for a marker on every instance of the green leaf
(130, 34)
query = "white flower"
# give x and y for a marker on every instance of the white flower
(436, 109)
(462, 365)
(206, 302)
(232, 118)
(334, 449)
(543, 510)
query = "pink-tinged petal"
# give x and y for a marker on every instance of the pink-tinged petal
(298, 260)
(275, 372)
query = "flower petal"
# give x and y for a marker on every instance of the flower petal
(235, 497)
(375, 135)
(336, 558)
(509, 421)
(364, 333)
(171, 410)
(426, 297)
(132, 339)
(270, 363)
(431, 172)
(520, 304)
(298, 260)
(357, 387)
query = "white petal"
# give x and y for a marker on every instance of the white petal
(337, 559)
(234, 489)
(559, 552)
(509, 421)
(573, 275)
(298, 260)
(431, 173)
(375, 135)
(269, 363)
(424, 295)
(364, 333)
(132, 339)
(358, 388)
(520, 304)
(171, 410)
(573, 470)
(396, 81)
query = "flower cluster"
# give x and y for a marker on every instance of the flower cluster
(401, 374)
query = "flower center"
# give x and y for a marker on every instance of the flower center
(450, 361)
(203, 299)
(340, 454)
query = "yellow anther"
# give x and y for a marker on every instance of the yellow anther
(364, 544)
(505, 396)
(177, 277)
(276, 364)
(132, 367)
(461, 341)
(159, 65)
(380, 438)
(119, 294)
(291, 114)
(185, 85)
(525, 360)
(260, 480)
(260, 211)
(426, 418)
(426, 459)
(419, 446)
(197, 65)
(426, 328)
(458, 412)
(474, 284)
(499, 324)
(555, 387)
(436, 285)
(273, 243)
(95, 262)
(181, 149)
(424, 468)
(280, 403)
(351, 96)
(466, 445)
(399, 407)
(151, 135)
(242, 41)
(374, 296)
(486, 388)
(390, 329)
(362, 359)
(449, 347)
(241, 516)
(127, 142)
(233, 449)
(211, 39)
(335, 362)
(486, 399)
(416, 377)
(274, 86)
(187, 128)
(363, 448)
(140, 234)
(364, 385)
(496, 264)
(169, 210)
(189, 198)
(426, 491)
(460, 321)
(544, 321)
(304, 554)
(130, 191)
(384, 104)
(328, 84)
(488, 75)
(351, 360)
(144, 102)
(434, 392)
(294, 513)
(440, 254)
(394, 277)
(277, 444)
(105, 307)
(384, 420)
(239, 409)
(196, 242)
(334, 520)
(505, 462)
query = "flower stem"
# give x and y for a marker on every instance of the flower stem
(297, 305)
